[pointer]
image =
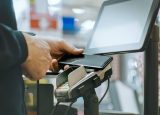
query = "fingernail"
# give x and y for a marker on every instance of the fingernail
(79, 50)
(66, 67)
(54, 61)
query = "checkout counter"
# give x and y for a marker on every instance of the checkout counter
(123, 26)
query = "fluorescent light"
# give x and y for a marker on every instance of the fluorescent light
(78, 11)
(54, 2)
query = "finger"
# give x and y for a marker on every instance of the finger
(55, 66)
(51, 67)
(66, 67)
(67, 48)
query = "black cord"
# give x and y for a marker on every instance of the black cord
(37, 86)
(54, 108)
(69, 108)
(105, 92)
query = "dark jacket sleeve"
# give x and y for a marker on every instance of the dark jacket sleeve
(13, 47)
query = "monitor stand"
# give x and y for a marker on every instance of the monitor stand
(151, 74)
(91, 106)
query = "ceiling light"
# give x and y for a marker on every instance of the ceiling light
(78, 11)
(54, 2)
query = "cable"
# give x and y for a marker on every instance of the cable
(105, 92)
(37, 85)
(54, 108)
(69, 108)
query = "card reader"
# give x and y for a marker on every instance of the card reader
(75, 82)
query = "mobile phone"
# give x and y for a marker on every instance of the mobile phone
(88, 61)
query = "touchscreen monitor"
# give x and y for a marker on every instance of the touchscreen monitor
(122, 26)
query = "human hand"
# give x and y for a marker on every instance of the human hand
(44, 54)
(58, 49)
(39, 58)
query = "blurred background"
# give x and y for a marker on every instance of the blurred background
(73, 21)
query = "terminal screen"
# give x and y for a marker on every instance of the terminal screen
(120, 26)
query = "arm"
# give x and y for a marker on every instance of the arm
(13, 48)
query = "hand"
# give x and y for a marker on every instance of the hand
(39, 58)
(58, 49)
(44, 53)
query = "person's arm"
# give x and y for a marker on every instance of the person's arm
(13, 48)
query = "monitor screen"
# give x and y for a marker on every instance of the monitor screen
(121, 26)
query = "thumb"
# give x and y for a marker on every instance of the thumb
(77, 51)
(67, 48)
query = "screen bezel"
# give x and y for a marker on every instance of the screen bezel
(145, 35)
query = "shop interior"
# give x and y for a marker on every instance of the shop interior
(73, 21)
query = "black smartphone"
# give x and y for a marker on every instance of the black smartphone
(88, 61)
